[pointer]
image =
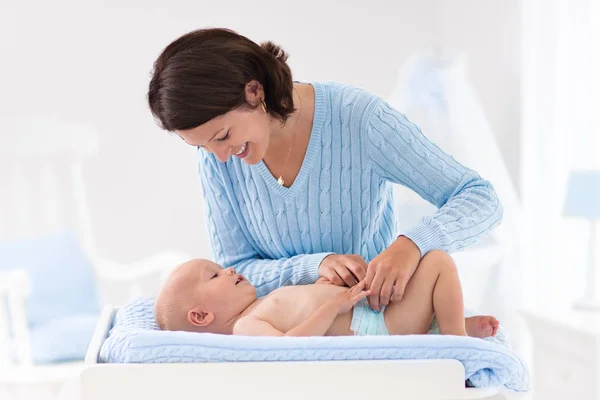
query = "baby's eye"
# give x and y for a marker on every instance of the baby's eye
(222, 139)
(214, 276)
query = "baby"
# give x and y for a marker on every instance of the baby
(201, 296)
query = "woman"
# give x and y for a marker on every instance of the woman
(297, 178)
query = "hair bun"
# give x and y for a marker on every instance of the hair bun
(275, 51)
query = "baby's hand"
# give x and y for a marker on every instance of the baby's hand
(349, 297)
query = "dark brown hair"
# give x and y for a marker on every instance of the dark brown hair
(203, 74)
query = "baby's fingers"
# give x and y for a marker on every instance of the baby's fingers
(358, 297)
(358, 287)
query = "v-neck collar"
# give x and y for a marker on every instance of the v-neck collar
(313, 145)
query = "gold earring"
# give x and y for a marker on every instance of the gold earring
(264, 105)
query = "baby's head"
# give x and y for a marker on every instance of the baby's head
(201, 296)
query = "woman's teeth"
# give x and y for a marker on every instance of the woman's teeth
(242, 150)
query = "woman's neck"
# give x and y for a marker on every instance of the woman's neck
(282, 135)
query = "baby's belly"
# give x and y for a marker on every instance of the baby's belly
(341, 325)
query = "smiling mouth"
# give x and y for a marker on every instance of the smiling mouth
(242, 152)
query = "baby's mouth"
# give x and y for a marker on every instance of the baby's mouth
(239, 279)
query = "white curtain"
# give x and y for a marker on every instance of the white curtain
(560, 132)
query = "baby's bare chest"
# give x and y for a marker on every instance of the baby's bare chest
(287, 307)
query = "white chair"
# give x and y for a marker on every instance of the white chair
(42, 190)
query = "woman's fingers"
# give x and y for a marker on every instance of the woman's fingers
(333, 277)
(370, 275)
(400, 285)
(343, 270)
(346, 275)
(386, 290)
(358, 270)
(375, 289)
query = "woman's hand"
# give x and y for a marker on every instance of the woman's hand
(390, 271)
(342, 269)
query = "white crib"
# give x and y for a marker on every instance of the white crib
(412, 379)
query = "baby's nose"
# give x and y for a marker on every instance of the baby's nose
(230, 271)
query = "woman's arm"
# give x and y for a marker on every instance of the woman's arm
(232, 247)
(468, 207)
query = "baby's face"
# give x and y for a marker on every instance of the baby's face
(220, 290)
(199, 295)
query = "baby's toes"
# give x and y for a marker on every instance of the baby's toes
(495, 324)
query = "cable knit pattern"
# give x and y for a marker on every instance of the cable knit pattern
(342, 199)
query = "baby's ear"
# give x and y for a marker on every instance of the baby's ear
(200, 318)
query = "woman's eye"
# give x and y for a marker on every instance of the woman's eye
(222, 139)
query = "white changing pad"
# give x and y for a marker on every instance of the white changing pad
(135, 338)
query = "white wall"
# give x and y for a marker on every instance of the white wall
(89, 61)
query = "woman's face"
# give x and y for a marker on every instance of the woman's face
(242, 133)
(239, 133)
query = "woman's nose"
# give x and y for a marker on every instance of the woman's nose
(223, 153)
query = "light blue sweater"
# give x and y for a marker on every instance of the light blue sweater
(342, 199)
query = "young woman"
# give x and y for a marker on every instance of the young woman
(297, 177)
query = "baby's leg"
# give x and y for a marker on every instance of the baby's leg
(434, 287)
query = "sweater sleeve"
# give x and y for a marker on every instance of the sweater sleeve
(232, 246)
(468, 207)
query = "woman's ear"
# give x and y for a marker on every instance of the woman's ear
(200, 318)
(255, 93)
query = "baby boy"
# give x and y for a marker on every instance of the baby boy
(201, 296)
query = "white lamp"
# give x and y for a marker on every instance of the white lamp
(583, 200)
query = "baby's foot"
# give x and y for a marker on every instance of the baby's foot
(481, 326)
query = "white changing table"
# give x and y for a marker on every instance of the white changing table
(412, 379)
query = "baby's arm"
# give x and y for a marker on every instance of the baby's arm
(317, 324)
